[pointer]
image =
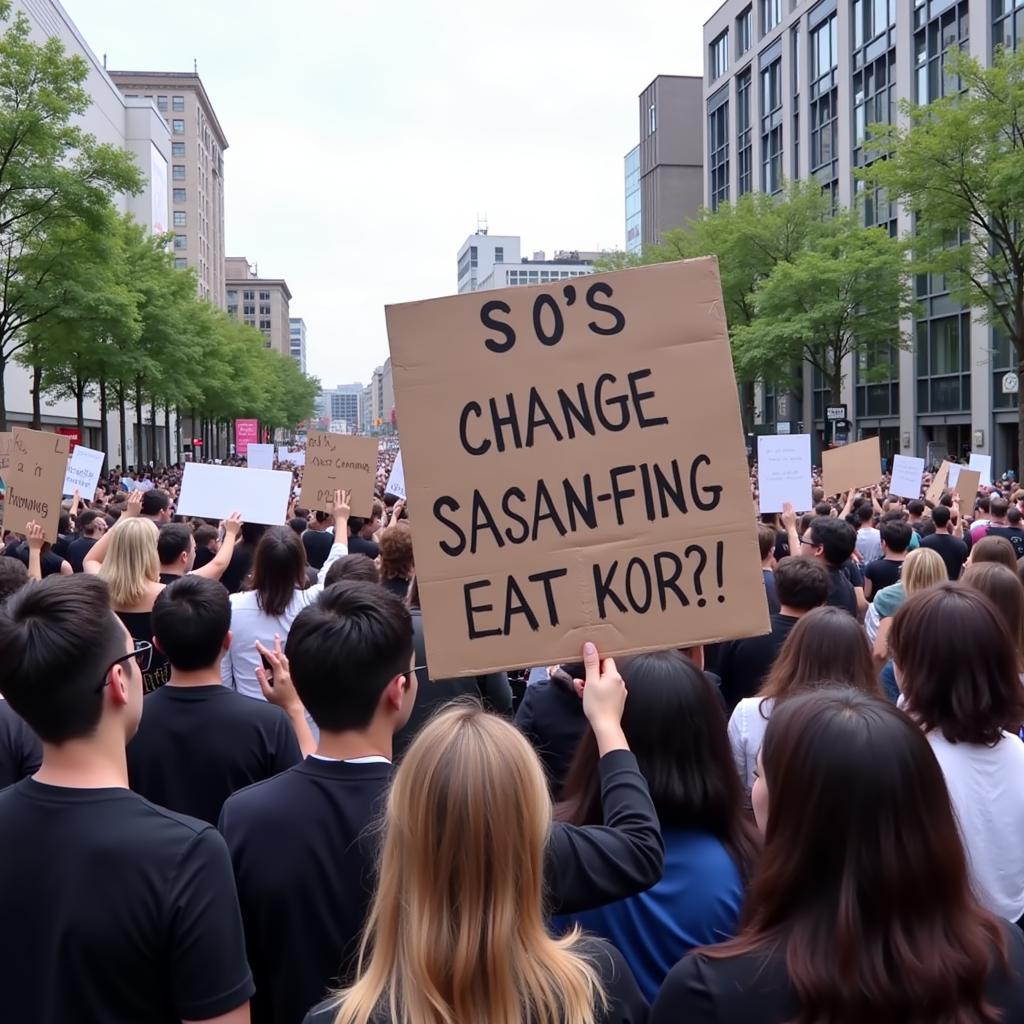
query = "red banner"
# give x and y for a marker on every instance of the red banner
(73, 433)
(247, 432)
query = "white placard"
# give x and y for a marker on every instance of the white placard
(260, 456)
(907, 473)
(214, 492)
(83, 472)
(296, 456)
(784, 472)
(954, 475)
(983, 464)
(396, 482)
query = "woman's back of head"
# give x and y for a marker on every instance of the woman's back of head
(1002, 586)
(457, 920)
(131, 562)
(863, 878)
(994, 549)
(278, 569)
(922, 568)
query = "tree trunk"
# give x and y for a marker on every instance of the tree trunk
(167, 433)
(3, 394)
(1020, 412)
(104, 429)
(80, 405)
(37, 404)
(139, 460)
(124, 429)
(152, 429)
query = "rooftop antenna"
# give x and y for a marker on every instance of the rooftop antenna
(195, 66)
(104, 62)
(481, 224)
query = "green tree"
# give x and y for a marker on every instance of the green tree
(52, 175)
(957, 165)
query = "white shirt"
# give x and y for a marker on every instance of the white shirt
(250, 623)
(869, 544)
(986, 788)
(746, 734)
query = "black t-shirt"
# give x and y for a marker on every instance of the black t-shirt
(77, 550)
(21, 753)
(50, 561)
(204, 556)
(196, 745)
(744, 664)
(626, 1004)
(755, 989)
(358, 546)
(318, 544)
(400, 588)
(167, 578)
(238, 568)
(140, 626)
(1014, 534)
(840, 591)
(952, 549)
(883, 572)
(115, 911)
(550, 716)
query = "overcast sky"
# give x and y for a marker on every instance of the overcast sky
(366, 138)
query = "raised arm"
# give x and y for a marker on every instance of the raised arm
(93, 561)
(342, 509)
(214, 569)
(35, 538)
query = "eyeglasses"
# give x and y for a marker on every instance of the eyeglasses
(809, 543)
(143, 654)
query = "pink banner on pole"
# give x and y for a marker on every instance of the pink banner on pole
(246, 432)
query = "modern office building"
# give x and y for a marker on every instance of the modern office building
(634, 207)
(260, 302)
(196, 185)
(342, 403)
(297, 341)
(487, 261)
(789, 90)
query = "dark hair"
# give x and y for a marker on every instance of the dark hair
(896, 535)
(994, 549)
(982, 503)
(766, 536)
(204, 534)
(252, 533)
(827, 646)
(87, 520)
(13, 576)
(998, 506)
(941, 516)
(801, 583)
(863, 881)
(1014, 516)
(154, 501)
(915, 507)
(836, 537)
(823, 508)
(958, 664)
(676, 727)
(1003, 588)
(396, 556)
(345, 649)
(864, 512)
(299, 524)
(322, 517)
(360, 568)
(172, 542)
(278, 569)
(191, 617)
(58, 636)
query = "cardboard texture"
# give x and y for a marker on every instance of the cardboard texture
(852, 465)
(983, 464)
(396, 481)
(336, 461)
(907, 472)
(34, 480)
(967, 484)
(260, 456)
(577, 465)
(784, 472)
(6, 440)
(214, 492)
(938, 484)
(83, 472)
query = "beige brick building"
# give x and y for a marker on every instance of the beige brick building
(196, 185)
(261, 302)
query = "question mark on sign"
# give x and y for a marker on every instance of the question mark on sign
(698, 583)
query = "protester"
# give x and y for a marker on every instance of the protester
(114, 909)
(176, 549)
(1004, 589)
(362, 531)
(551, 717)
(198, 741)
(952, 549)
(957, 666)
(674, 723)
(869, 540)
(156, 505)
(832, 542)
(92, 524)
(207, 539)
(240, 566)
(13, 576)
(825, 647)
(993, 549)
(360, 568)
(396, 559)
(1012, 530)
(20, 750)
(861, 906)
(317, 539)
(885, 571)
(766, 544)
(51, 564)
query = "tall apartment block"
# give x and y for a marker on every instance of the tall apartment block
(790, 89)
(260, 302)
(297, 341)
(196, 186)
(488, 261)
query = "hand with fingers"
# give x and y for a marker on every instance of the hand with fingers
(275, 678)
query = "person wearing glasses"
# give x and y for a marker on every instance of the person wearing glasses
(832, 542)
(114, 909)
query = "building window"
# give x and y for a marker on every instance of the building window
(1007, 31)
(265, 325)
(249, 296)
(179, 195)
(180, 263)
(499, 254)
(871, 18)
(718, 154)
(1003, 360)
(161, 104)
(771, 127)
(264, 308)
(178, 172)
(941, 348)
(249, 308)
(264, 296)
(652, 120)
(932, 41)
(797, 81)
(179, 218)
(744, 31)
(719, 56)
(178, 127)
(178, 104)
(877, 382)
(178, 149)
(824, 101)
(744, 151)
(181, 241)
(771, 14)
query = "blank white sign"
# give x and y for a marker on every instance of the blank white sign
(983, 464)
(396, 482)
(260, 456)
(214, 492)
(784, 472)
(907, 472)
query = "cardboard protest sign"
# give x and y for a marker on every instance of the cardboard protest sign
(967, 483)
(396, 481)
(83, 472)
(939, 483)
(6, 441)
(983, 464)
(342, 461)
(907, 472)
(784, 472)
(852, 465)
(260, 456)
(576, 465)
(34, 479)
(214, 492)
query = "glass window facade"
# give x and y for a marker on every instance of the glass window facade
(745, 31)
(771, 127)
(178, 127)
(744, 136)
(718, 56)
(771, 14)
(634, 238)
(824, 100)
(179, 218)
(178, 104)
(877, 381)
(934, 37)
(1007, 27)
(718, 154)
(1003, 360)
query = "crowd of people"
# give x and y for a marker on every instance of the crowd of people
(235, 791)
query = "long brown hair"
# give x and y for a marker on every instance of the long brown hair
(278, 569)
(827, 646)
(1004, 589)
(676, 727)
(863, 881)
(456, 932)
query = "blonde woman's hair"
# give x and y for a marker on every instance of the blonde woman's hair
(456, 932)
(922, 568)
(131, 561)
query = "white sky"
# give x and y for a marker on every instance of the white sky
(365, 138)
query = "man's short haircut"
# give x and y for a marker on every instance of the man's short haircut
(174, 541)
(823, 508)
(58, 638)
(915, 507)
(896, 535)
(836, 537)
(1013, 515)
(359, 568)
(941, 516)
(818, 494)
(204, 534)
(191, 617)
(322, 517)
(801, 583)
(345, 649)
(154, 501)
(87, 520)
(865, 513)
(299, 524)
(998, 507)
(13, 576)
(765, 539)
(982, 504)
(355, 524)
